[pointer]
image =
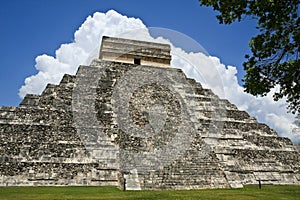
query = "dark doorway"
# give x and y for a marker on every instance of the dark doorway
(137, 61)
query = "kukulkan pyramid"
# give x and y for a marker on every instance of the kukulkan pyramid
(130, 120)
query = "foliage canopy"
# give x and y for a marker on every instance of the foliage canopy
(275, 50)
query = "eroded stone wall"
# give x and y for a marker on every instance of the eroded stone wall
(40, 145)
(150, 125)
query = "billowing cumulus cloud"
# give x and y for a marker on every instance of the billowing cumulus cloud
(86, 42)
(208, 70)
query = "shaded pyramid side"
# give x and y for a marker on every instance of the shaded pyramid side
(131, 102)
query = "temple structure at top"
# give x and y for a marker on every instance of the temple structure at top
(135, 52)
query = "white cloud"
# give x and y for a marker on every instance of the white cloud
(69, 56)
(208, 70)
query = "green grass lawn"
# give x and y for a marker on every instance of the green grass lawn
(247, 193)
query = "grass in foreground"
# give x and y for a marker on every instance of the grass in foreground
(247, 193)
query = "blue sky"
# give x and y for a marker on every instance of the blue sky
(33, 27)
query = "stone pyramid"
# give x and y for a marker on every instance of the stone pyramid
(131, 121)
